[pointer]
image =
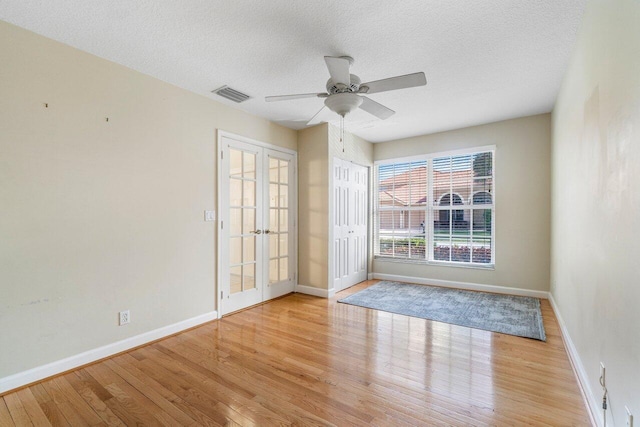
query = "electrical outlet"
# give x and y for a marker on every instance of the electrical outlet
(602, 377)
(629, 417)
(125, 317)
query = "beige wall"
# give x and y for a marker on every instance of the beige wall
(99, 217)
(317, 146)
(522, 186)
(596, 202)
(356, 149)
(313, 215)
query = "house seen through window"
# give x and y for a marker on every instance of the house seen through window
(437, 208)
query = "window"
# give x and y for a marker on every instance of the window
(436, 208)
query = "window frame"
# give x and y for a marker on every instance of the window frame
(432, 210)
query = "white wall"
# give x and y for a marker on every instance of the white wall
(96, 216)
(596, 202)
(522, 185)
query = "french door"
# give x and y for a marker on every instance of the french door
(350, 198)
(256, 243)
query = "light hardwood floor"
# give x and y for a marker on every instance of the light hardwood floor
(301, 360)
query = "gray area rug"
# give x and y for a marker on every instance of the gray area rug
(507, 314)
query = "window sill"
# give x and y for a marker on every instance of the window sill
(435, 263)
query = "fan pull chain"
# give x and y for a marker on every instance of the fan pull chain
(342, 132)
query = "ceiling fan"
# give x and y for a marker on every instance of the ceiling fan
(345, 92)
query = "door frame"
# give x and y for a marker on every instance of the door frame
(293, 207)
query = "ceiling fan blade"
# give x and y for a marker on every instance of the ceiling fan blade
(297, 96)
(319, 117)
(378, 110)
(339, 69)
(393, 83)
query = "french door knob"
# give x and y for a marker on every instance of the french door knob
(267, 231)
(256, 232)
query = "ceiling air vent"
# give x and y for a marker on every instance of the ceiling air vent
(231, 94)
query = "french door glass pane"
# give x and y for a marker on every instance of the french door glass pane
(273, 170)
(236, 279)
(248, 277)
(273, 195)
(284, 196)
(273, 271)
(273, 220)
(249, 249)
(273, 245)
(235, 192)
(248, 220)
(284, 244)
(284, 172)
(283, 227)
(249, 165)
(249, 193)
(284, 268)
(236, 221)
(235, 250)
(235, 163)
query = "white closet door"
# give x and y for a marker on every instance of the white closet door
(358, 236)
(350, 196)
(340, 223)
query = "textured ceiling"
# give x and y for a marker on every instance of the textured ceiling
(484, 60)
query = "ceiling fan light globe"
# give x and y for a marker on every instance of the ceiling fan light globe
(343, 103)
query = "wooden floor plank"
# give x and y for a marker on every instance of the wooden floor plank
(127, 362)
(95, 396)
(71, 396)
(302, 360)
(51, 411)
(32, 407)
(155, 397)
(17, 410)
(5, 416)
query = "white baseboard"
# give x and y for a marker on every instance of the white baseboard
(54, 368)
(370, 276)
(316, 292)
(464, 285)
(576, 363)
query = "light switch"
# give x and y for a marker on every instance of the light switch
(209, 215)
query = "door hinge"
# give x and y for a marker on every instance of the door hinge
(221, 294)
(221, 225)
(222, 155)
